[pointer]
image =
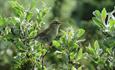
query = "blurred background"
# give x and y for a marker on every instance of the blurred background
(77, 13)
(74, 9)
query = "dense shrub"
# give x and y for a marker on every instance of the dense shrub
(71, 50)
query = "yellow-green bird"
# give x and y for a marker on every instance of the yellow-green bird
(50, 33)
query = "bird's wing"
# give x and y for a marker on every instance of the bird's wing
(45, 32)
(42, 34)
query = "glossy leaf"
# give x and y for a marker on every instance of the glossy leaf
(97, 13)
(80, 32)
(29, 16)
(80, 54)
(96, 45)
(103, 14)
(98, 22)
(56, 43)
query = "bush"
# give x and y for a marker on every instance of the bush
(68, 51)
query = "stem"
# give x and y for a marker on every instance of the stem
(43, 55)
(68, 59)
(42, 63)
(42, 59)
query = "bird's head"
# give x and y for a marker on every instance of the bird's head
(55, 23)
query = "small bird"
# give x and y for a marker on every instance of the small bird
(50, 33)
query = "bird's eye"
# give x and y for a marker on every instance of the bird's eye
(56, 22)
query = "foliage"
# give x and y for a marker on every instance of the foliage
(67, 52)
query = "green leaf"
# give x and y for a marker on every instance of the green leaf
(111, 23)
(75, 45)
(56, 43)
(80, 32)
(13, 20)
(103, 14)
(80, 54)
(98, 22)
(41, 13)
(80, 68)
(17, 8)
(99, 17)
(57, 52)
(29, 16)
(32, 33)
(72, 55)
(73, 68)
(2, 21)
(96, 45)
(90, 49)
(97, 13)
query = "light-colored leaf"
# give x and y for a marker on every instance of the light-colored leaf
(73, 68)
(111, 23)
(80, 68)
(98, 22)
(80, 32)
(29, 16)
(103, 14)
(80, 54)
(96, 45)
(97, 13)
(56, 43)
(2, 21)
